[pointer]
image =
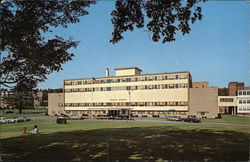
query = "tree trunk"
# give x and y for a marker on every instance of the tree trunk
(20, 110)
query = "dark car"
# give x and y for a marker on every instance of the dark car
(192, 119)
(9, 112)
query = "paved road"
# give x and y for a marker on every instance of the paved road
(139, 120)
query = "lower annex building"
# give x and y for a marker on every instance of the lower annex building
(136, 94)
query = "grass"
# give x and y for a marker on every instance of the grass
(85, 140)
(37, 112)
(230, 119)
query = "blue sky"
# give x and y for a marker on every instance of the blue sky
(216, 50)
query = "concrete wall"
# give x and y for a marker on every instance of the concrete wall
(203, 102)
(224, 101)
(55, 103)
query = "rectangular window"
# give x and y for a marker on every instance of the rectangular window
(244, 93)
(248, 93)
(128, 79)
(176, 85)
(176, 76)
(240, 101)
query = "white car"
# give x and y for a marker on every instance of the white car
(3, 120)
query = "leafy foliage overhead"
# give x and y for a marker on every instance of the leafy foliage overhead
(26, 54)
(163, 17)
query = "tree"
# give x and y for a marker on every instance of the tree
(20, 97)
(164, 17)
(26, 54)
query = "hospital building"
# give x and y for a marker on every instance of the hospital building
(131, 92)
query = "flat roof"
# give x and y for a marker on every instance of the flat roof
(126, 68)
(129, 76)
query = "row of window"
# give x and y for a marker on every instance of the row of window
(103, 104)
(120, 88)
(226, 100)
(134, 79)
(244, 93)
(244, 109)
(244, 101)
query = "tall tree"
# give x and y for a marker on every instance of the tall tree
(163, 17)
(26, 54)
(20, 97)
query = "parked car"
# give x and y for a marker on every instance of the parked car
(13, 120)
(3, 120)
(64, 115)
(75, 117)
(173, 118)
(192, 119)
(9, 112)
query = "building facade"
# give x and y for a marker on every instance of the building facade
(129, 91)
(233, 87)
(227, 104)
(199, 84)
(136, 94)
(243, 102)
(55, 104)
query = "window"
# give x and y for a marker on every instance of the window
(176, 76)
(128, 79)
(244, 93)
(240, 101)
(176, 85)
(226, 99)
(108, 88)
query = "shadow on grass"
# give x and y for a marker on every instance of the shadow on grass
(143, 143)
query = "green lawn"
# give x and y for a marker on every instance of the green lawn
(230, 119)
(86, 140)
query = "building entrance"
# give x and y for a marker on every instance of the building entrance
(122, 112)
(113, 112)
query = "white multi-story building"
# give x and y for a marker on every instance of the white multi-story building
(243, 102)
(131, 92)
(128, 90)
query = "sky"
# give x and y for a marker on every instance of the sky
(216, 49)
